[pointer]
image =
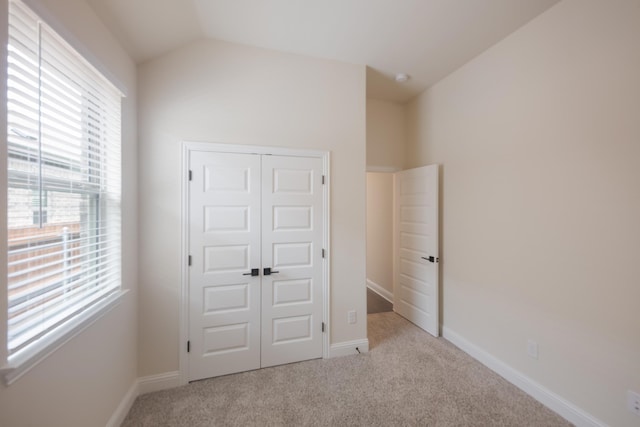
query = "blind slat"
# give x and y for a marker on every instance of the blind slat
(72, 260)
(44, 299)
(87, 273)
(33, 330)
(68, 264)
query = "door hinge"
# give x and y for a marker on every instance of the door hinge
(323, 253)
(190, 175)
(322, 179)
(188, 346)
(322, 326)
(189, 260)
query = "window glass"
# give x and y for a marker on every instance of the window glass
(63, 135)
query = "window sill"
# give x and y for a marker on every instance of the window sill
(22, 363)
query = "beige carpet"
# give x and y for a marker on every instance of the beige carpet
(407, 379)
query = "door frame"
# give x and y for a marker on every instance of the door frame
(187, 148)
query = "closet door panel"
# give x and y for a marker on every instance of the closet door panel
(292, 249)
(224, 243)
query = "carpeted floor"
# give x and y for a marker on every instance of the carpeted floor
(408, 378)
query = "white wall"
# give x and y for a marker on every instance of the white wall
(380, 232)
(82, 383)
(539, 138)
(221, 92)
(385, 135)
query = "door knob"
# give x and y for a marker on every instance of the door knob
(254, 272)
(431, 259)
(268, 271)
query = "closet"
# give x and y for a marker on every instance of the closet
(255, 233)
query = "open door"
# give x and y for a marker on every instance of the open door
(416, 287)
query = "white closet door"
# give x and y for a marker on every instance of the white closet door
(256, 273)
(224, 243)
(416, 288)
(292, 248)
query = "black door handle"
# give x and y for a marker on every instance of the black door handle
(268, 271)
(431, 259)
(254, 272)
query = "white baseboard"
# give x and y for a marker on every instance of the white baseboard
(347, 348)
(140, 386)
(380, 290)
(158, 382)
(556, 403)
(125, 405)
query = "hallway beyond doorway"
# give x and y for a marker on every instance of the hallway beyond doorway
(377, 304)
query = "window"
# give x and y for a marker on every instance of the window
(63, 142)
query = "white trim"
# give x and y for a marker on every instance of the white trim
(187, 147)
(48, 344)
(3, 193)
(158, 382)
(380, 290)
(394, 230)
(383, 169)
(251, 149)
(183, 356)
(124, 407)
(326, 222)
(348, 348)
(551, 400)
(140, 386)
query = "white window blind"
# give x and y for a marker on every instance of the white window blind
(64, 183)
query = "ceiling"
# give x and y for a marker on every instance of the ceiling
(426, 39)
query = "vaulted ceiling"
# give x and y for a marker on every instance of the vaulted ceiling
(427, 39)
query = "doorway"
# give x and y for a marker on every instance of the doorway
(402, 243)
(255, 234)
(380, 189)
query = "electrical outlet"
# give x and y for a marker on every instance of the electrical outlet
(633, 400)
(351, 316)
(532, 349)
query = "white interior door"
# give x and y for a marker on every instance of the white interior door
(292, 248)
(416, 287)
(255, 282)
(224, 239)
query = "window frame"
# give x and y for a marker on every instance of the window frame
(14, 366)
